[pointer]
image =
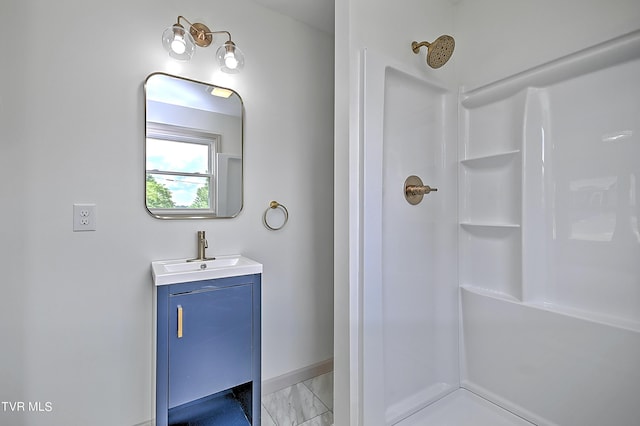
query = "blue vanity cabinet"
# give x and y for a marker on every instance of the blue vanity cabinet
(208, 352)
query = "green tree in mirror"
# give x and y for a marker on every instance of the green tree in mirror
(158, 195)
(202, 198)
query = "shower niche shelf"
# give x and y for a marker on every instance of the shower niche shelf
(490, 198)
(493, 129)
(471, 225)
(490, 257)
(490, 160)
(491, 189)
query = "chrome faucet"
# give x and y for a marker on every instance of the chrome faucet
(202, 245)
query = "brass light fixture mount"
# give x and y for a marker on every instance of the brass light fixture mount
(201, 34)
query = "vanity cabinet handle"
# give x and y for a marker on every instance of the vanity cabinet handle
(179, 321)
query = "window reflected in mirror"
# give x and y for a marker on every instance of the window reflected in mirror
(193, 149)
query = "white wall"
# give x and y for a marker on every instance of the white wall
(76, 308)
(498, 38)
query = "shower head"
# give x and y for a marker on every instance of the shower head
(438, 52)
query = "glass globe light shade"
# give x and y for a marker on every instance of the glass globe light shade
(178, 42)
(230, 58)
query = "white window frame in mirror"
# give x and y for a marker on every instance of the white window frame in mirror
(162, 131)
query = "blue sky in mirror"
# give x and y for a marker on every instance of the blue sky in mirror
(177, 156)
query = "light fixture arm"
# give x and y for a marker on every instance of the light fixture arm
(184, 19)
(221, 32)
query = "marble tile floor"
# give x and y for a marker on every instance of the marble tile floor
(309, 403)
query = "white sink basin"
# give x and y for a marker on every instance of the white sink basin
(179, 270)
(181, 266)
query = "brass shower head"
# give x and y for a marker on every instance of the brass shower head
(438, 52)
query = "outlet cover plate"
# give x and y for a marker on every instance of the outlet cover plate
(84, 217)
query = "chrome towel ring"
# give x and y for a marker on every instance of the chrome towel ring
(272, 206)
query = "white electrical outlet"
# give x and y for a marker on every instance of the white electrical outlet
(84, 217)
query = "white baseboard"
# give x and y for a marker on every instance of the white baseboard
(147, 423)
(296, 376)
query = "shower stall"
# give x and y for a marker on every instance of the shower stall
(511, 296)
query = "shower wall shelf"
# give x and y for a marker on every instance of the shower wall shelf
(491, 160)
(491, 189)
(490, 259)
(490, 204)
(489, 293)
(492, 131)
(471, 225)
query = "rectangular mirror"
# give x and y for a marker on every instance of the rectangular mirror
(193, 149)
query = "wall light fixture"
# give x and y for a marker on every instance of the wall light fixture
(181, 44)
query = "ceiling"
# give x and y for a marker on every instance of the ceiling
(315, 13)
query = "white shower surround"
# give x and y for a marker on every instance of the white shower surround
(549, 205)
(541, 154)
(407, 363)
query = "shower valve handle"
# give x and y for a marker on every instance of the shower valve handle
(414, 190)
(419, 189)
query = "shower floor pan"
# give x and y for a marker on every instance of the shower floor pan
(463, 408)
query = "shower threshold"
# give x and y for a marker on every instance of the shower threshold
(463, 408)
